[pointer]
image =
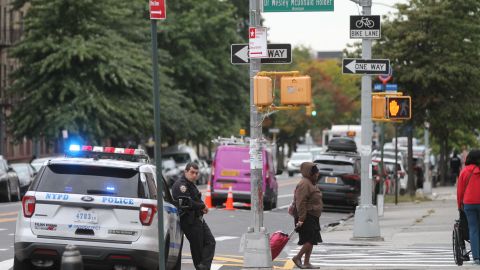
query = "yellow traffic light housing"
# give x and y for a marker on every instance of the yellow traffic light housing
(296, 90)
(262, 91)
(399, 108)
(378, 107)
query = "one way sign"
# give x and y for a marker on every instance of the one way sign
(277, 54)
(366, 66)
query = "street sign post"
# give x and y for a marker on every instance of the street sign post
(157, 10)
(297, 6)
(365, 27)
(277, 54)
(257, 42)
(366, 66)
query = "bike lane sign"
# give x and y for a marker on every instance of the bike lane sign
(365, 27)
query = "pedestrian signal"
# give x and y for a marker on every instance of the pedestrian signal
(399, 108)
(378, 107)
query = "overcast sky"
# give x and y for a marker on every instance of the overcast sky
(321, 31)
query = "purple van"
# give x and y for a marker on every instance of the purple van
(231, 168)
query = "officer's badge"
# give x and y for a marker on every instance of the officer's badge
(183, 188)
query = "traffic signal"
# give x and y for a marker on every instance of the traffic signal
(399, 108)
(296, 90)
(262, 91)
(378, 107)
(314, 113)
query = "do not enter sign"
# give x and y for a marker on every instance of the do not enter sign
(157, 10)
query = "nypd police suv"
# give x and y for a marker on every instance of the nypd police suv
(102, 200)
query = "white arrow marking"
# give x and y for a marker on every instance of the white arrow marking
(351, 66)
(243, 54)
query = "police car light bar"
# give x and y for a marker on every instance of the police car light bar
(112, 150)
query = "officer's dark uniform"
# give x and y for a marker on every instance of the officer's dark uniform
(202, 242)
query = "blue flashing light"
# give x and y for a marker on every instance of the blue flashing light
(74, 147)
(111, 188)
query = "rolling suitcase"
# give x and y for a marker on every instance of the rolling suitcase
(278, 241)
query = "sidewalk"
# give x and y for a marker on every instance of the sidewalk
(404, 226)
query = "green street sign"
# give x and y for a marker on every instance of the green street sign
(297, 5)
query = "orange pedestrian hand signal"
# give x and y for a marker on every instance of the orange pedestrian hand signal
(399, 107)
(394, 108)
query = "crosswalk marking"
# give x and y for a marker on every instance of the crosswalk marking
(6, 264)
(343, 255)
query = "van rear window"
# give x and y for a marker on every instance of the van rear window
(93, 180)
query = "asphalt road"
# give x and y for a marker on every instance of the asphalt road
(227, 227)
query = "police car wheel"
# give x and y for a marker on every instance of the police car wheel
(19, 265)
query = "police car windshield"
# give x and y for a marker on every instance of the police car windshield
(81, 179)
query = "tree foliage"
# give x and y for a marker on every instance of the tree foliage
(82, 70)
(85, 66)
(198, 35)
(433, 46)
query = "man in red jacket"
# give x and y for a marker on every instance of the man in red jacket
(468, 196)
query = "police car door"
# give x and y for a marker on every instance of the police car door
(171, 221)
(82, 202)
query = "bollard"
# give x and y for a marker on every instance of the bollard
(71, 258)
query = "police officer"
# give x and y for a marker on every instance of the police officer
(202, 242)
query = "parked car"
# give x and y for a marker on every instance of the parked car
(37, 163)
(340, 173)
(26, 172)
(170, 171)
(390, 168)
(297, 158)
(204, 172)
(9, 182)
(231, 168)
(181, 154)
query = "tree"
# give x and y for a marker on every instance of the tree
(198, 35)
(86, 67)
(433, 46)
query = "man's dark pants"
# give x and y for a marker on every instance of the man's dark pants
(202, 243)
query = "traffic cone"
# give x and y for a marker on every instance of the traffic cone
(229, 202)
(208, 196)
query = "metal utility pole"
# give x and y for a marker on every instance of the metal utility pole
(366, 217)
(158, 158)
(255, 241)
(427, 183)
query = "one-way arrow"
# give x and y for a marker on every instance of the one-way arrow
(277, 54)
(366, 66)
(243, 54)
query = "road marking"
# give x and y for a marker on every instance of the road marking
(223, 238)
(288, 183)
(2, 220)
(6, 264)
(11, 234)
(288, 264)
(1, 229)
(9, 214)
(215, 266)
(285, 195)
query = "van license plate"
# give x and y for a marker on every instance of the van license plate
(331, 180)
(86, 217)
(226, 185)
(230, 173)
